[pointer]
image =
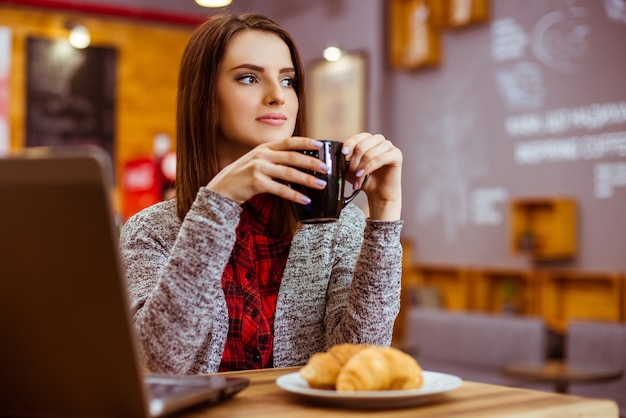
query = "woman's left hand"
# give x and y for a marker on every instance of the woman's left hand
(377, 157)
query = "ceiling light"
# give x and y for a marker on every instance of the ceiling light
(213, 3)
(332, 53)
(79, 36)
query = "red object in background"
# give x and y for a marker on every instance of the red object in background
(142, 184)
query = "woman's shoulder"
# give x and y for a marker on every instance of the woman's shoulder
(166, 208)
(161, 215)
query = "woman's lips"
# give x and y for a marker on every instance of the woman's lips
(274, 119)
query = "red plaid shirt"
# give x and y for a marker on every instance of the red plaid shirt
(251, 281)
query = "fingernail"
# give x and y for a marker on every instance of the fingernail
(360, 173)
(305, 200)
(320, 182)
(317, 143)
(345, 150)
(356, 185)
(324, 167)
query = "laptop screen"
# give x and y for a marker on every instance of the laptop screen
(68, 344)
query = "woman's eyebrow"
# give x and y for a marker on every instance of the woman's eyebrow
(250, 67)
(261, 69)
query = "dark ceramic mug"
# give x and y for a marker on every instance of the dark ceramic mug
(326, 204)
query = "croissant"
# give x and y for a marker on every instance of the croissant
(379, 368)
(322, 369)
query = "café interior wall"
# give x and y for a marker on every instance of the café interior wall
(451, 124)
(448, 121)
(148, 56)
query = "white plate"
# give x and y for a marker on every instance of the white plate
(434, 384)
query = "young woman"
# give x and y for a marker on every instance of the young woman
(221, 277)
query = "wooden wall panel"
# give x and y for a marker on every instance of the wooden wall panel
(568, 295)
(148, 59)
(558, 296)
(505, 291)
(453, 284)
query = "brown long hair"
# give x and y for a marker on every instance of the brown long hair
(197, 115)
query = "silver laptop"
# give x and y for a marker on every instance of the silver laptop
(67, 345)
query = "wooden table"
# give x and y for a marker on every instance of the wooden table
(263, 398)
(561, 373)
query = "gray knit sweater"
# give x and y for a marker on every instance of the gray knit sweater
(341, 283)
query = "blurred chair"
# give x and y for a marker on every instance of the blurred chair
(424, 296)
(475, 346)
(598, 344)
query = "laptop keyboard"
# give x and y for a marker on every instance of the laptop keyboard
(173, 392)
(164, 390)
(168, 386)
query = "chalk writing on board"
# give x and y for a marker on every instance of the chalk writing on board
(608, 176)
(560, 39)
(487, 206)
(508, 40)
(560, 42)
(447, 163)
(616, 10)
(548, 116)
(571, 149)
(551, 149)
(520, 85)
(557, 121)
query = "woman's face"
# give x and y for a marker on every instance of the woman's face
(256, 97)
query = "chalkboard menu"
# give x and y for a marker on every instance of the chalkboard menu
(530, 105)
(70, 95)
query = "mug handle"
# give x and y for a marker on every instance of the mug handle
(349, 199)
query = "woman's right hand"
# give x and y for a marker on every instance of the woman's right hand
(267, 168)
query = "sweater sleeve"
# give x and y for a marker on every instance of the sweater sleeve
(364, 289)
(174, 276)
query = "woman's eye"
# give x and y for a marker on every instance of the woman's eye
(247, 79)
(287, 82)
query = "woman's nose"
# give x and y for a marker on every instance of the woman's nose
(275, 94)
